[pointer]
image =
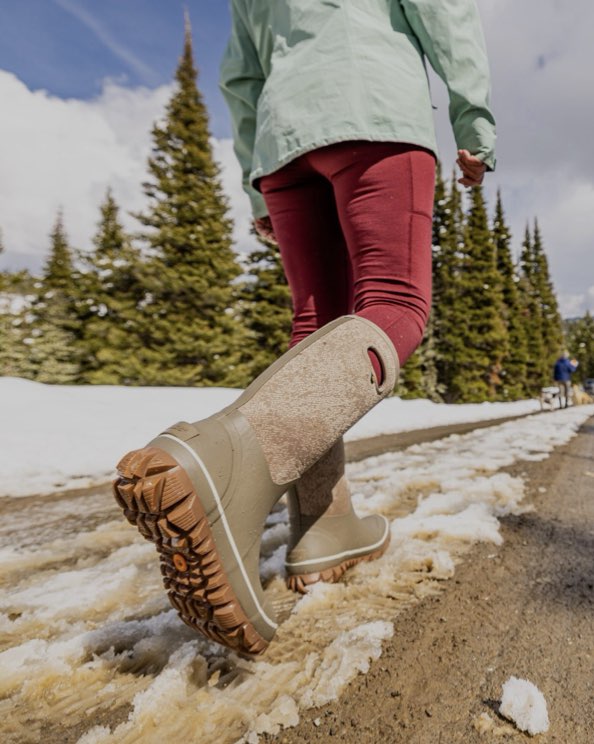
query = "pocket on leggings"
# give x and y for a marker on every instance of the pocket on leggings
(422, 165)
(419, 254)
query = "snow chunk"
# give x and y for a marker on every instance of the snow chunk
(285, 714)
(349, 653)
(524, 704)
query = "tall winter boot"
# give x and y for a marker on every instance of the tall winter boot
(201, 492)
(327, 537)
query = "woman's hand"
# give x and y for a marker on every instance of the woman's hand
(473, 169)
(263, 226)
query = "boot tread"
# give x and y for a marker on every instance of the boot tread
(157, 496)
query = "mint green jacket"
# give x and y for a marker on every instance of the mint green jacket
(301, 74)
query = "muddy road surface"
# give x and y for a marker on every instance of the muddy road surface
(411, 648)
(526, 609)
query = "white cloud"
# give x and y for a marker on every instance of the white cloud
(65, 153)
(540, 57)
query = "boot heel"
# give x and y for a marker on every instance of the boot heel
(157, 496)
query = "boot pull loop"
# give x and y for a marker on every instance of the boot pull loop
(377, 364)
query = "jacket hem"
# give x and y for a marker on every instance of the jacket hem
(351, 136)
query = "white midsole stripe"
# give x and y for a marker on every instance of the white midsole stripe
(344, 554)
(225, 525)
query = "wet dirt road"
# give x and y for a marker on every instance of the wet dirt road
(526, 609)
(92, 649)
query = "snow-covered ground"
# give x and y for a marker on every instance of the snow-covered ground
(62, 437)
(87, 639)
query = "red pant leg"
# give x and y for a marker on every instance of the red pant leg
(378, 197)
(384, 196)
(313, 250)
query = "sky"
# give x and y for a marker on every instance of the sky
(82, 82)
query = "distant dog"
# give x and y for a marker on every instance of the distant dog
(550, 398)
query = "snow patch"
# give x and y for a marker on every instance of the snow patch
(63, 451)
(349, 653)
(524, 704)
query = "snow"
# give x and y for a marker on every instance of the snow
(85, 624)
(524, 704)
(395, 415)
(66, 437)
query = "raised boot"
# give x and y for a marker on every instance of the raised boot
(327, 537)
(201, 492)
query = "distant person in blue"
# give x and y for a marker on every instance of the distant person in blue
(564, 368)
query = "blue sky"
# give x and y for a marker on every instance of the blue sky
(82, 81)
(68, 47)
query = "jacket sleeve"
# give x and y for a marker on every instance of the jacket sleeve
(241, 82)
(451, 36)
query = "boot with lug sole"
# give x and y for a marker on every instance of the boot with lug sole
(327, 537)
(201, 492)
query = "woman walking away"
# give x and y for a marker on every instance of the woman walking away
(333, 128)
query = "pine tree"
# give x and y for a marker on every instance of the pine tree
(108, 310)
(15, 358)
(513, 373)
(542, 318)
(532, 317)
(479, 309)
(52, 327)
(266, 312)
(418, 377)
(552, 330)
(580, 343)
(58, 271)
(448, 319)
(190, 334)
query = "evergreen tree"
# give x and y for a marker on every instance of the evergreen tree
(108, 310)
(580, 343)
(189, 332)
(418, 377)
(535, 372)
(479, 311)
(59, 270)
(52, 326)
(448, 320)
(513, 373)
(552, 329)
(15, 358)
(542, 318)
(266, 312)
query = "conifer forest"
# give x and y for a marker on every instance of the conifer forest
(173, 305)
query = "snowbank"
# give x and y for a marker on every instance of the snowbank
(56, 437)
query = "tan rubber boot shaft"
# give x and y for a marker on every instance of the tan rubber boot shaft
(202, 491)
(332, 544)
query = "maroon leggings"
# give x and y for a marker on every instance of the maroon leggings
(353, 221)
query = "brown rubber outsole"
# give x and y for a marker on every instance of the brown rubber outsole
(157, 496)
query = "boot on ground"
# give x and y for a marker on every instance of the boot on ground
(327, 537)
(201, 492)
